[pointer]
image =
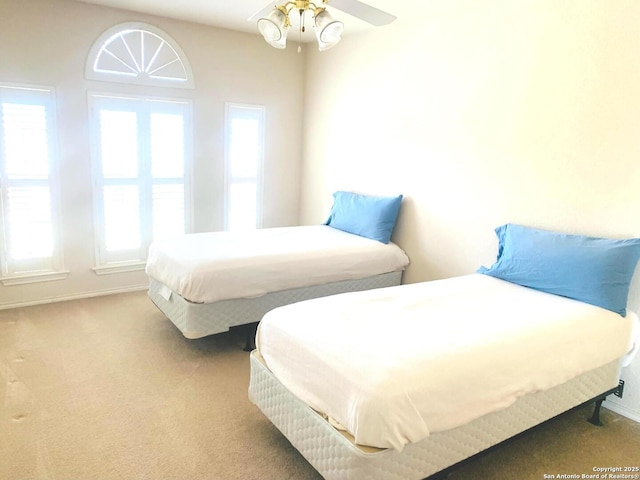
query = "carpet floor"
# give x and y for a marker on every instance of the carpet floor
(107, 388)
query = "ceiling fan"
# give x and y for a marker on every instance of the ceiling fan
(274, 22)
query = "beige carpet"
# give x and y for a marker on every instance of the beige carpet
(107, 388)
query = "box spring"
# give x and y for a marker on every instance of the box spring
(335, 457)
(196, 320)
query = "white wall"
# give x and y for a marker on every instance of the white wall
(46, 42)
(482, 113)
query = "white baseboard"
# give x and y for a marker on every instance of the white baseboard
(624, 411)
(64, 298)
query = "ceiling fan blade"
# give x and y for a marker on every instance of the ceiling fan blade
(262, 12)
(365, 12)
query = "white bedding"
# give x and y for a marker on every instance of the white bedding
(208, 267)
(393, 365)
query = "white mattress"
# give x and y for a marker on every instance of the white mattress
(208, 267)
(393, 366)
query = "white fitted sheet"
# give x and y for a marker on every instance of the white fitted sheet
(208, 267)
(394, 365)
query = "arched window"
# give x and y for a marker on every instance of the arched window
(138, 53)
(141, 145)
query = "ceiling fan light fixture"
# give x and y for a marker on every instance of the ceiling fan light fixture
(274, 28)
(274, 23)
(328, 30)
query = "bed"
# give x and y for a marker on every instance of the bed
(208, 282)
(406, 381)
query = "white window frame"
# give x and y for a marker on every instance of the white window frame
(14, 271)
(254, 111)
(134, 53)
(132, 260)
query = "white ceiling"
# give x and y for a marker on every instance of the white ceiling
(233, 14)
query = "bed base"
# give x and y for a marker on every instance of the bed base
(336, 457)
(197, 320)
(594, 419)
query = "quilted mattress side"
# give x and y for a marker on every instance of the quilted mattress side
(196, 320)
(336, 458)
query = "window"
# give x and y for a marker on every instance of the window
(30, 247)
(244, 150)
(141, 158)
(138, 53)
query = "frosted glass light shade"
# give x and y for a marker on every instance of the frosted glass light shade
(326, 46)
(328, 30)
(274, 28)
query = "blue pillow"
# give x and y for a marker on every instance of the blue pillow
(593, 270)
(371, 217)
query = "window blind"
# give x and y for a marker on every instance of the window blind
(244, 148)
(29, 213)
(140, 174)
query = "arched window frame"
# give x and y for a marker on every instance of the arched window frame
(138, 65)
